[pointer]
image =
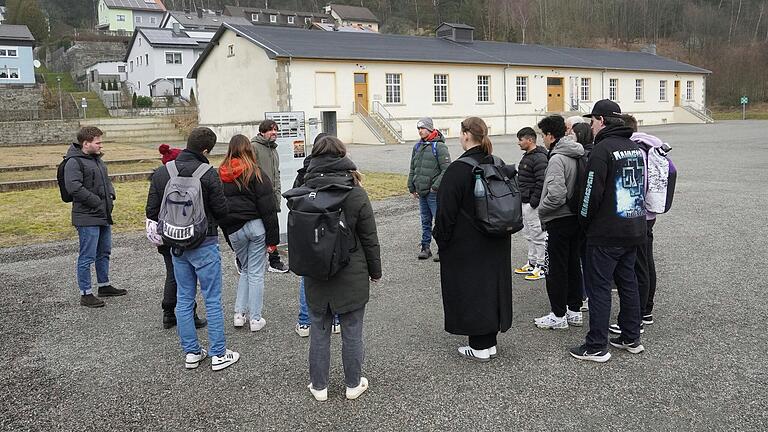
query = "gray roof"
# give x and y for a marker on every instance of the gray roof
(354, 13)
(298, 43)
(16, 33)
(190, 20)
(165, 38)
(247, 11)
(145, 5)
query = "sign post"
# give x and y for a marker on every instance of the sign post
(744, 102)
(84, 104)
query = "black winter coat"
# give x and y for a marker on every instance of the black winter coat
(187, 162)
(530, 175)
(255, 202)
(91, 189)
(475, 269)
(349, 288)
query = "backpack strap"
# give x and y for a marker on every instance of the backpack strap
(172, 170)
(469, 161)
(201, 170)
(434, 150)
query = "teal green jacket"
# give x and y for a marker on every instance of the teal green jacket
(427, 167)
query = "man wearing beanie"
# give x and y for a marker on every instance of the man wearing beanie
(429, 160)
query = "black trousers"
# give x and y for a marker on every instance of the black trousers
(646, 271)
(482, 342)
(564, 278)
(169, 289)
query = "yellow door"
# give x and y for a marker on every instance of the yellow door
(677, 93)
(361, 92)
(555, 95)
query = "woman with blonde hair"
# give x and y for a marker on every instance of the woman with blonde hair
(475, 268)
(251, 227)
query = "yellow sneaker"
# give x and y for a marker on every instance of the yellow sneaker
(525, 270)
(536, 274)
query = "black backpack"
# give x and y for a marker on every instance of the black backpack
(573, 200)
(319, 240)
(65, 195)
(499, 211)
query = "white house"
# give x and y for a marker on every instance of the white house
(167, 54)
(372, 88)
(353, 16)
(2, 14)
(108, 70)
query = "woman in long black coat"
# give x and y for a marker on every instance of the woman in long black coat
(475, 269)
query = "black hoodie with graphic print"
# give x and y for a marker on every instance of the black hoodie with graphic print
(612, 211)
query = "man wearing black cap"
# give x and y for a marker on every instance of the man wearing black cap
(612, 213)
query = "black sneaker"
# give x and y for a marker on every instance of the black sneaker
(425, 253)
(581, 352)
(200, 322)
(648, 319)
(110, 291)
(278, 267)
(634, 347)
(91, 301)
(615, 329)
(169, 320)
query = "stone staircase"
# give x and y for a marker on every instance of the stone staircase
(141, 130)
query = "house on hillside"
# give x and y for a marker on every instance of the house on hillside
(2, 14)
(373, 87)
(163, 54)
(199, 20)
(127, 15)
(16, 55)
(353, 16)
(276, 17)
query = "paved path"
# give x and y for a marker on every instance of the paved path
(73, 369)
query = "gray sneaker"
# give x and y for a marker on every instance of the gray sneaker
(425, 253)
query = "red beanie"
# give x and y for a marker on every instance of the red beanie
(168, 153)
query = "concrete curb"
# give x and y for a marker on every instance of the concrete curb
(51, 183)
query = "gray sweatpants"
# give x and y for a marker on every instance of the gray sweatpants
(352, 348)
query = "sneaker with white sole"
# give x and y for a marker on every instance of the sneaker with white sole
(525, 270)
(302, 330)
(581, 352)
(239, 320)
(192, 360)
(492, 351)
(648, 319)
(278, 267)
(585, 305)
(319, 395)
(575, 319)
(615, 329)
(551, 322)
(633, 347)
(258, 324)
(483, 355)
(536, 274)
(355, 392)
(228, 359)
(336, 328)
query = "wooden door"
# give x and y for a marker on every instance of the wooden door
(677, 93)
(555, 94)
(361, 92)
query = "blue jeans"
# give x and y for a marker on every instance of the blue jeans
(304, 310)
(251, 249)
(95, 247)
(203, 264)
(428, 210)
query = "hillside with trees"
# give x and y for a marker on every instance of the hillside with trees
(728, 37)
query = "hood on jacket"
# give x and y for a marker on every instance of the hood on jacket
(260, 139)
(328, 163)
(640, 137)
(614, 131)
(434, 136)
(568, 147)
(76, 150)
(231, 171)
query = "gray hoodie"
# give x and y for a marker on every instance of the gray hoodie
(560, 180)
(269, 163)
(91, 189)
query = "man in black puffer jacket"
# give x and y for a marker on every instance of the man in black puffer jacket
(530, 175)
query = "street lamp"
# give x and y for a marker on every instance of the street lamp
(61, 107)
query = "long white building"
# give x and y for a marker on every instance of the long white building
(372, 88)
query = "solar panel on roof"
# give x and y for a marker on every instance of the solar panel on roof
(134, 4)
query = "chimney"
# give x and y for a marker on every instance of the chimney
(456, 32)
(176, 29)
(200, 13)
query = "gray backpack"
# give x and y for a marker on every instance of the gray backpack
(182, 222)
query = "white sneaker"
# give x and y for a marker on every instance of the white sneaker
(355, 392)
(492, 351)
(536, 274)
(228, 359)
(239, 320)
(192, 360)
(585, 305)
(302, 330)
(258, 324)
(526, 269)
(551, 322)
(320, 395)
(336, 328)
(575, 319)
(479, 355)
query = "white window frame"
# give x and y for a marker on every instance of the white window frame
(139, 60)
(152, 20)
(323, 21)
(173, 58)
(689, 90)
(291, 20)
(440, 87)
(255, 17)
(662, 90)
(307, 20)
(393, 88)
(7, 52)
(174, 80)
(483, 89)
(585, 89)
(639, 90)
(521, 88)
(8, 71)
(131, 63)
(273, 19)
(230, 50)
(119, 67)
(613, 89)
(120, 18)
(138, 19)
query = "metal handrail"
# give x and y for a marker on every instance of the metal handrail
(365, 116)
(700, 110)
(395, 126)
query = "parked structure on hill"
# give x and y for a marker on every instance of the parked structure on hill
(277, 17)
(127, 15)
(353, 16)
(202, 19)
(16, 55)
